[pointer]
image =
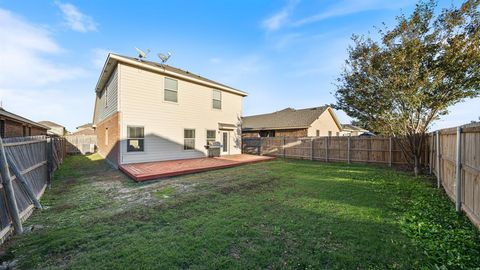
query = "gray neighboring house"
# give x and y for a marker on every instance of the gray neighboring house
(351, 130)
(55, 129)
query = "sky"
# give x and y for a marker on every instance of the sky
(285, 53)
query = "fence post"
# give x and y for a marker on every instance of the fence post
(283, 146)
(437, 164)
(18, 174)
(458, 171)
(9, 193)
(430, 153)
(311, 149)
(390, 151)
(326, 149)
(49, 146)
(348, 149)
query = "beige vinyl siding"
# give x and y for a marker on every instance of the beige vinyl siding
(324, 123)
(142, 104)
(103, 112)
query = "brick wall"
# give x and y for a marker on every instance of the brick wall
(15, 129)
(108, 143)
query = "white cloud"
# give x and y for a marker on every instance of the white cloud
(280, 18)
(75, 19)
(347, 7)
(22, 49)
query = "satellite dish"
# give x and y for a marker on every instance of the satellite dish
(164, 58)
(142, 54)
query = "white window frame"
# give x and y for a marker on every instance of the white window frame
(185, 147)
(165, 89)
(215, 99)
(136, 138)
(210, 138)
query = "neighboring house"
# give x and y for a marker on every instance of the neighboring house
(145, 111)
(289, 122)
(55, 129)
(86, 129)
(351, 130)
(12, 125)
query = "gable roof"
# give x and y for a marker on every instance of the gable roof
(288, 118)
(50, 124)
(21, 119)
(113, 59)
(350, 127)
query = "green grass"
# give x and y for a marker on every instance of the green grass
(279, 215)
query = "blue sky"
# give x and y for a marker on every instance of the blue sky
(283, 53)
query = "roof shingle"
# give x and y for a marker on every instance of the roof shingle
(285, 119)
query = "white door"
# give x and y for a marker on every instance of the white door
(225, 144)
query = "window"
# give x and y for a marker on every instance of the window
(29, 131)
(105, 96)
(106, 136)
(24, 131)
(338, 134)
(135, 139)
(2, 128)
(318, 133)
(171, 90)
(217, 99)
(330, 134)
(188, 139)
(211, 136)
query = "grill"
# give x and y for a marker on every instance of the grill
(213, 149)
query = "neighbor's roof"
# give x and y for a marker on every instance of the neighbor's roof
(288, 118)
(50, 124)
(113, 59)
(352, 128)
(19, 118)
(85, 126)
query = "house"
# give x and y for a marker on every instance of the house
(145, 111)
(13, 125)
(85, 129)
(289, 122)
(55, 129)
(351, 130)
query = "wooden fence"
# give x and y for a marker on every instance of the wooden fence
(377, 150)
(81, 144)
(455, 161)
(26, 167)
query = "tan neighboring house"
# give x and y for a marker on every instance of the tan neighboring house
(86, 129)
(351, 130)
(55, 129)
(13, 125)
(289, 122)
(148, 112)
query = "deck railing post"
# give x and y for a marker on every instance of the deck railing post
(9, 193)
(437, 164)
(458, 171)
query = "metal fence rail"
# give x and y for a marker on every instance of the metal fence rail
(27, 164)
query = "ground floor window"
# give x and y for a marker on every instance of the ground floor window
(135, 139)
(318, 133)
(211, 136)
(188, 139)
(267, 133)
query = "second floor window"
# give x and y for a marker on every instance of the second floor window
(217, 99)
(171, 90)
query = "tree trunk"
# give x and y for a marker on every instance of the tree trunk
(416, 168)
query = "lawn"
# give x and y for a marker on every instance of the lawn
(275, 215)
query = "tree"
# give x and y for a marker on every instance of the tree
(400, 84)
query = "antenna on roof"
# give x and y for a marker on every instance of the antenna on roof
(142, 54)
(164, 58)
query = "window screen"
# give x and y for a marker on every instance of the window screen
(135, 139)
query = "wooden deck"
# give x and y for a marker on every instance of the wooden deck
(161, 169)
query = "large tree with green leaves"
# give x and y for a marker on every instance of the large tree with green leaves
(399, 84)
